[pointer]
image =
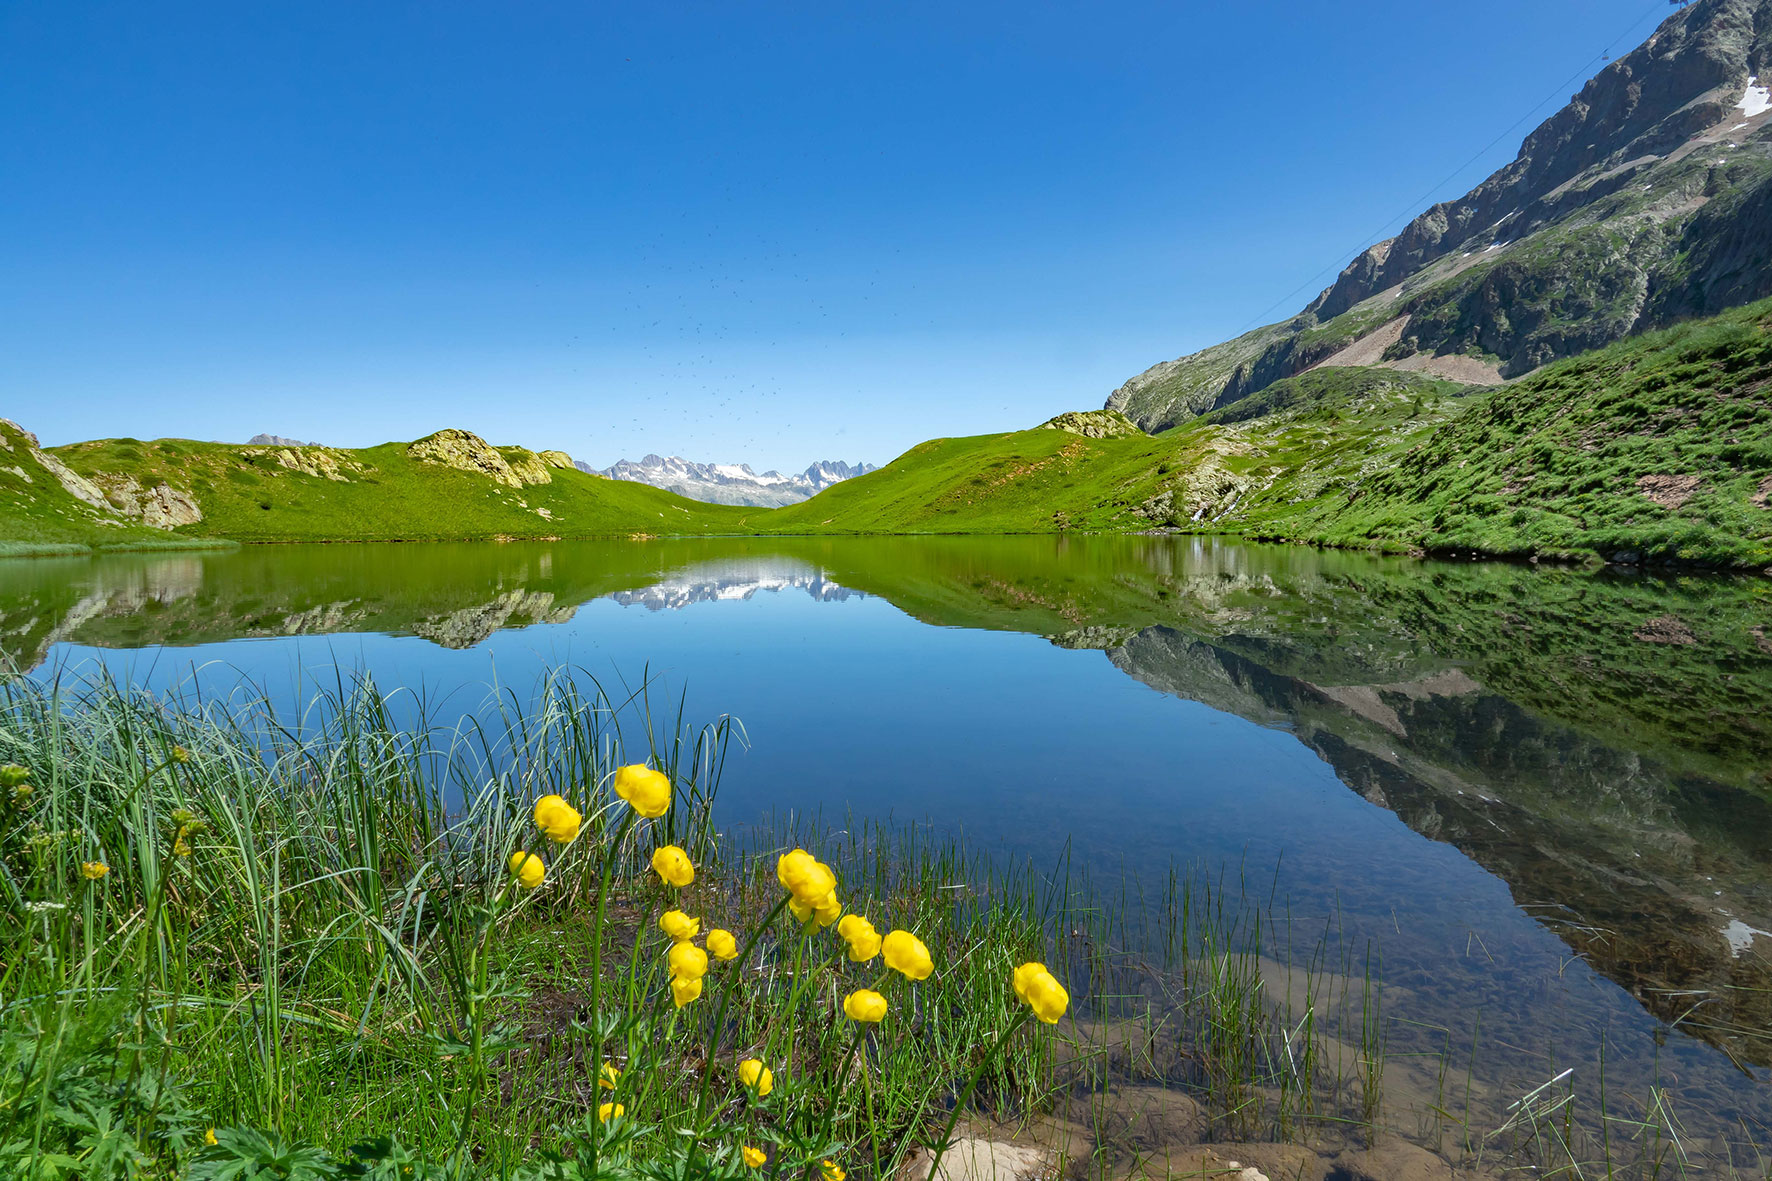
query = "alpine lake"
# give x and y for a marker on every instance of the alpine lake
(1524, 811)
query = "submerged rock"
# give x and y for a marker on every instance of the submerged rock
(973, 1158)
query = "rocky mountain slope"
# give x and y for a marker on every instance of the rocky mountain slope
(730, 483)
(46, 507)
(1646, 200)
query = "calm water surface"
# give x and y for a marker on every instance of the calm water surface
(1541, 795)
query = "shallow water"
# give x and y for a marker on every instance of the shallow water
(1542, 795)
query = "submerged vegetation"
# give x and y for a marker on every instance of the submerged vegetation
(353, 944)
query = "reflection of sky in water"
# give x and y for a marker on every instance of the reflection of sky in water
(854, 708)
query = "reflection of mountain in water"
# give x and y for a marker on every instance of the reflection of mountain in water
(474, 625)
(713, 582)
(1659, 880)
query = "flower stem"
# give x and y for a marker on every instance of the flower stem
(941, 1146)
(609, 853)
(726, 986)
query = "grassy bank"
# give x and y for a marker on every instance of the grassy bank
(236, 946)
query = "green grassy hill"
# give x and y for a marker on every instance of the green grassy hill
(1315, 432)
(391, 492)
(1658, 447)
(38, 515)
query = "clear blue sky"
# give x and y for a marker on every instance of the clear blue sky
(733, 231)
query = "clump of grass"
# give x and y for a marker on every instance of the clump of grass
(239, 945)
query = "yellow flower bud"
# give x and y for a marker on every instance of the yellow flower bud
(558, 820)
(805, 877)
(722, 945)
(609, 1111)
(209, 1137)
(92, 871)
(647, 791)
(11, 775)
(672, 864)
(180, 755)
(754, 1158)
(685, 989)
(607, 1076)
(863, 940)
(527, 868)
(678, 925)
(757, 1077)
(864, 1004)
(831, 1170)
(687, 961)
(905, 953)
(1042, 992)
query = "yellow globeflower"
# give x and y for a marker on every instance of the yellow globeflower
(527, 868)
(685, 989)
(863, 940)
(678, 925)
(673, 865)
(92, 871)
(607, 1076)
(1042, 992)
(722, 945)
(687, 961)
(864, 1004)
(823, 913)
(906, 953)
(754, 1075)
(754, 1158)
(209, 1137)
(609, 1111)
(808, 879)
(557, 819)
(831, 1170)
(647, 791)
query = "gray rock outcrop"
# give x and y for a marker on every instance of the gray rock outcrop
(1093, 424)
(468, 452)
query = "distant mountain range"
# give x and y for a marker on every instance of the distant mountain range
(730, 483)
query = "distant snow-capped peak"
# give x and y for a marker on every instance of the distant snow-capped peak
(731, 483)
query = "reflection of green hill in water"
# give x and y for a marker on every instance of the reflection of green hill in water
(1600, 742)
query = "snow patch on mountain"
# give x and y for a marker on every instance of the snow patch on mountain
(1757, 100)
(730, 483)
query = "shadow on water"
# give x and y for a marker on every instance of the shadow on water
(1600, 742)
